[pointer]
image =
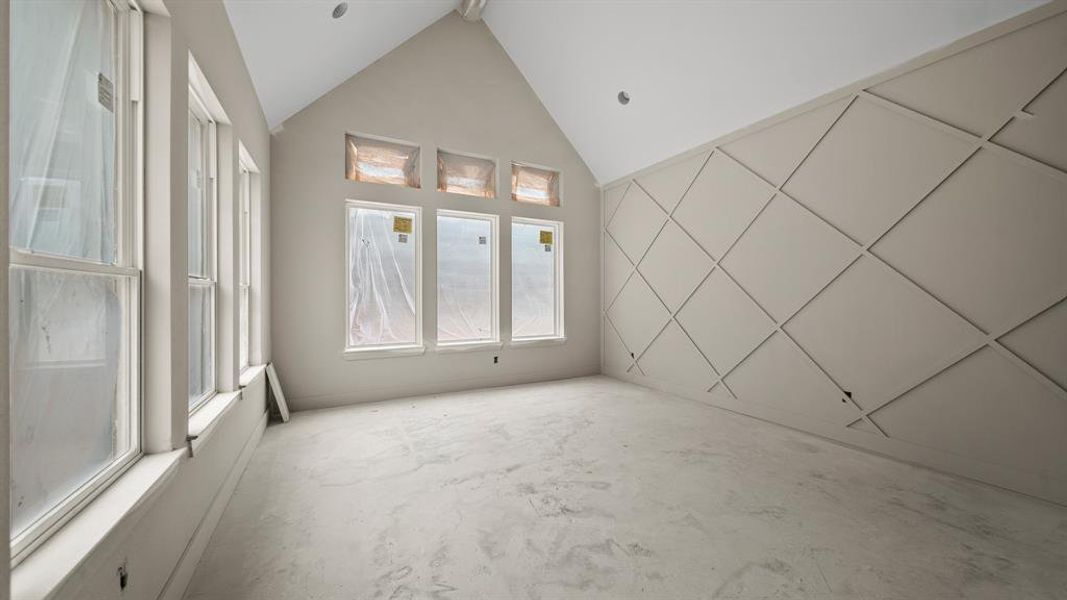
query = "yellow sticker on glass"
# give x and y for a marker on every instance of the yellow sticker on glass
(402, 224)
(546, 236)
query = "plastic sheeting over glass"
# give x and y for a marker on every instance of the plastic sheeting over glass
(63, 129)
(534, 280)
(201, 342)
(382, 277)
(197, 196)
(465, 290)
(201, 263)
(534, 185)
(245, 275)
(245, 327)
(68, 419)
(468, 175)
(376, 161)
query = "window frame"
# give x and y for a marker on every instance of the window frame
(127, 268)
(492, 195)
(246, 171)
(351, 141)
(198, 109)
(560, 333)
(512, 181)
(494, 269)
(380, 350)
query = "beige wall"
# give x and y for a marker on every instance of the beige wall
(884, 266)
(450, 86)
(161, 539)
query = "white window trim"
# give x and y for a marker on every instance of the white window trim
(560, 334)
(468, 347)
(494, 338)
(247, 171)
(116, 509)
(244, 279)
(210, 281)
(128, 265)
(384, 350)
(534, 342)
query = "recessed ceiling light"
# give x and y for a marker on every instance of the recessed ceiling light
(340, 10)
(624, 98)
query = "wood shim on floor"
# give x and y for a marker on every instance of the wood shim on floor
(276, 392)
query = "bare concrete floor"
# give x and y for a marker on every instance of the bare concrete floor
(593, 488)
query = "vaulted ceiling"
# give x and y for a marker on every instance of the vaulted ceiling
(694, 70)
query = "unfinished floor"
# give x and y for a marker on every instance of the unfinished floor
(594, 488)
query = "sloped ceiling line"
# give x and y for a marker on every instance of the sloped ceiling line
(707, 53)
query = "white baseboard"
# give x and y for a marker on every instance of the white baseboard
(186, 567)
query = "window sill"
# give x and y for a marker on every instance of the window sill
(535, 342)
(47, 568)
(202, 423)
(250, 374)
(468, 347)
(371, 353)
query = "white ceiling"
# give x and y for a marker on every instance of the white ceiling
(296, 51)
(695, 70)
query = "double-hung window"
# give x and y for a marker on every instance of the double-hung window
(466, 278)
(244, 282)
(74, 298)
(202, 219)
(383, 272)
(536, 279)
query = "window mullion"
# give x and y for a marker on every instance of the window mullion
(61, 263)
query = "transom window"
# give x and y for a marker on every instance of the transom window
(372, 160)
(534, 185)
(467, 175)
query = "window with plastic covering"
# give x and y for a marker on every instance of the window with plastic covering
(384, 274)
(75, 261)
(536, 279)
(467, 175)
(202, 282)
(372, 160)
(466, 278)
(245, 268)
(534, 185)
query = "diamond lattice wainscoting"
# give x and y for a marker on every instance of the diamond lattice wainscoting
(887, 268)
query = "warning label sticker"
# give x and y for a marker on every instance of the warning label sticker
(402, 224)
(546, 236)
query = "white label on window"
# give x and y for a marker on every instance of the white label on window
(402, 238)
(105, 92)
(482, 240)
